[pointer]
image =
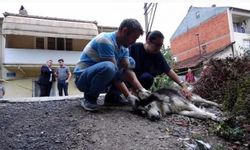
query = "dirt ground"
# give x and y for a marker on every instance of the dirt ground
(62, 125)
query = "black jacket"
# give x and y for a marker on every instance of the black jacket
(45, 75)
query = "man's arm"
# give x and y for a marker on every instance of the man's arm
(56, 73)
(122, 88)
(124, 63)
(112, 59)
(176, 78)
(69, 76)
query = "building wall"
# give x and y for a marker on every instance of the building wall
(1, 47)
(25, 88)
(213, 34)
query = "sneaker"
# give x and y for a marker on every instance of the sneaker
(114, 99)
(89, 105)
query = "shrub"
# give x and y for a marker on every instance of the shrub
(227, 81)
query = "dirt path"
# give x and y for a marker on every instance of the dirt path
(60, 125)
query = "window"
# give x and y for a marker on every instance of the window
(54, 43)
(51, 43)
(246, 44)
(69, 44)
(197, 15)
(39, 43)
(60, 43)
(239, 27)
(11, 74)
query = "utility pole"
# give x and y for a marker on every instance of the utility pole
(149, 14)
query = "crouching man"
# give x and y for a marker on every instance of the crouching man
(105, 61)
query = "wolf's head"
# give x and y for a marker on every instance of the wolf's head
(151, 106)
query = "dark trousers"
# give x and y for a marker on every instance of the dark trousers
(62, 86)
(45, 89)
(146, 80)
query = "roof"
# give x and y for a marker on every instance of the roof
(48, 27)
(47, 18)
(196, 60)
(106, 29)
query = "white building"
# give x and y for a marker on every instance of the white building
(27, 42)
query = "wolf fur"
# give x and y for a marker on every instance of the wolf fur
(168, 101)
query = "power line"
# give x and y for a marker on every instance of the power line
(149, 9)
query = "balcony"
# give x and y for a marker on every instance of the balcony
(36, 57)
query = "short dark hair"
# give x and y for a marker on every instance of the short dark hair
(60, 60)
(151, 36)
(132, 24)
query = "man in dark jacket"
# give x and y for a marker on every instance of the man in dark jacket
(46, 79)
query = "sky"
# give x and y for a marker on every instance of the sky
(168, 16)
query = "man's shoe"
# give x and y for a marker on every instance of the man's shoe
(89, 105)
(114, 99)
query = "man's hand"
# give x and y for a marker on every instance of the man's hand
(133, 101)
(186, 92)
(143, 93)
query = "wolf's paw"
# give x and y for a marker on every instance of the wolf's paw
(218, 119)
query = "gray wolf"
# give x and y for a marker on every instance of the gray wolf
(168, 101)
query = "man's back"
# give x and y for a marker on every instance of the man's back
(154, 64)
(104, 46)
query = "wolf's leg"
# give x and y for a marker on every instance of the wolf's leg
(196, 112)
(199, 115)
(196, 98)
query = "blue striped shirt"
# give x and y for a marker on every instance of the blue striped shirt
(102, 46)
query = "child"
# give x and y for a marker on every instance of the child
(2, 90)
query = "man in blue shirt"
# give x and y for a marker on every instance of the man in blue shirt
(104, 61)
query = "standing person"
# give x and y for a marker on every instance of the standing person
(23, 11)
(104, 61)
(2, 89)
(46, 79)
(150, 62)
(63, 75)
(189, 77)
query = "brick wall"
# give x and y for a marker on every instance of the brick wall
(213, 34)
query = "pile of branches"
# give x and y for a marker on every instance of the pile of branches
(227, 81)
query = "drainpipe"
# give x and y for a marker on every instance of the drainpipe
(198, 39)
